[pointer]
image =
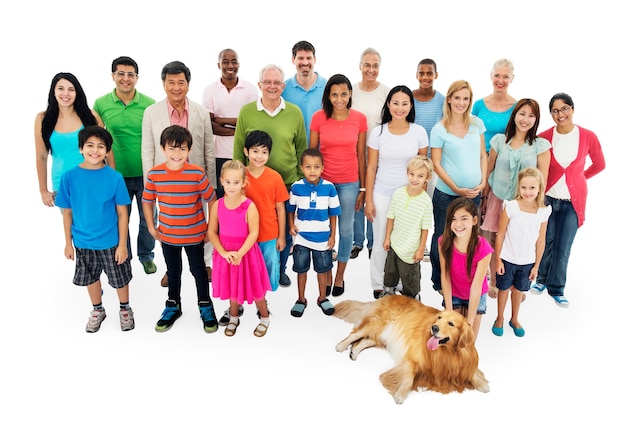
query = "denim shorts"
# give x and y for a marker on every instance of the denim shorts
(322, 260)
(482, 304)
(514, 275)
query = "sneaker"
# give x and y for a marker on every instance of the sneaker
(95, 320)
(561, 301)
(378, 293)
(223, 321)
(355, 252)
(127, 320)
(149, 266)
(171, 313)
(284, 280)
(207, 314)
(387, 291)
(537, 288)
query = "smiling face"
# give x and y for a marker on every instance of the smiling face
(463, 223)
(501, 78)
(176, 156)
(176, 88)
(304, 62)
(525, 119)
(418, 177)
(65, 93)
(400, 105)
(229, 65)
(370, 66)
(125, 84)
(459, 101)
(562, 114)
(339, 96)
(94, 152)
(528, 188)
(426, 75)
(272, 85)
(257, 155)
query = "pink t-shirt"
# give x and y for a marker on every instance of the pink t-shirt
(458, 269)
(338, 143)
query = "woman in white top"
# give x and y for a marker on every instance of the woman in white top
(390, 147)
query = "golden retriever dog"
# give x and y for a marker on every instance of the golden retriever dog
(432, 349)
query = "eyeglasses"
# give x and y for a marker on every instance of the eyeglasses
(563, 110)
(272, 83)
(371, 66)
(122, 74)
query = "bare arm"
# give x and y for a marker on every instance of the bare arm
(333, 232)
(219, 125)
(504, 223)
(121, 252)
(540, 246)
(281, 212)
(477, 287)
(67, 230)
(370, 176)
(360, 154)
(446, 283)
(388, 229)
(41, 160)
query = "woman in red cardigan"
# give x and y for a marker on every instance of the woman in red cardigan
(566, 192)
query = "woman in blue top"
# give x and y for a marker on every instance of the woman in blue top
(495, 109)
(56, 132)
(457, 148)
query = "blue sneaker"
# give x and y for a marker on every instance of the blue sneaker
(561, 301)
(171, 313)
(537, 288)
(207, 314)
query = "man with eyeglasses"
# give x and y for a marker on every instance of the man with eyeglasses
(177, 109)
(122, 112)
(306, 87)
(224, 98)
(284, 122)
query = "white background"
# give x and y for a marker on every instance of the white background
(51, 367)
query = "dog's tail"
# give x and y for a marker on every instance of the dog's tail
(352, 311)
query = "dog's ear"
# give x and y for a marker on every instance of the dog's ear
(466, 336)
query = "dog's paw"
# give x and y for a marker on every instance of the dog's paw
(353, 355)
(340, 347)
(399, 398)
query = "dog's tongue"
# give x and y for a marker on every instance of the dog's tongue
(433, 343)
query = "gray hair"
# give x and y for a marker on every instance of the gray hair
(271, 67)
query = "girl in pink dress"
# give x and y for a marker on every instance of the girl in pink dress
(239, 272)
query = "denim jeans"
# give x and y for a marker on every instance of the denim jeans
(284, 255)
(347, 193)
(362, 229)
(441, 201)
(145, 241)
(195, 258)
(560, 233)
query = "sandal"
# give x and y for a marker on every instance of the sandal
(326, 306)
(298, 308)
(260, 330)
(231, 328)
(337, 291)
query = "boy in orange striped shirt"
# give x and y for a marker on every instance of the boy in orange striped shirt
(180, 188)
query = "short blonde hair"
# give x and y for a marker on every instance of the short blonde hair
(234, 165)
(534, 173)
(420, 161)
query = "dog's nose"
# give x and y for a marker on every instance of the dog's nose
(435, 329)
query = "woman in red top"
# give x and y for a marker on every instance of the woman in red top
(340, 134)
(566, 192)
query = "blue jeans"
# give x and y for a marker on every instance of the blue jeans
(560, 233)
(145, 241)
(347, 193)
(322, 260)
(362, 228)
(441, 201)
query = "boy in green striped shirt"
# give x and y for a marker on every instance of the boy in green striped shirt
(409, 218)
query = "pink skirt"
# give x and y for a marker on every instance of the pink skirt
(491, 217)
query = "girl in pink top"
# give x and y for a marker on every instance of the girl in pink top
(464, 258)
(239, 272)
(340, 133)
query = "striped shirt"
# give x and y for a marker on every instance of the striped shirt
(179, 193)
(411, 215)
(313, 205)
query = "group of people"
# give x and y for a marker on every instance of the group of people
(245, 180)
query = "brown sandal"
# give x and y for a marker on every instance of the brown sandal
(231, 328)
(261, 330)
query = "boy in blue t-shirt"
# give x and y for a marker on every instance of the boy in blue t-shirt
(312, 212)
(94, 201)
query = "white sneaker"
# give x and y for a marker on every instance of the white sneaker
(95, 320)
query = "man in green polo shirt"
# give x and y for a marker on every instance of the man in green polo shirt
(122, 112)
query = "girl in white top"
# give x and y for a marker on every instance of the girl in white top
(390, 147)
(519, 245)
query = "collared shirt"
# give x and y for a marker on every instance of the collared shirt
(176, 118)
(261, 107)
(308, 101)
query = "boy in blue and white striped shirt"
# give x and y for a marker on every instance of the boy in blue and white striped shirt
(312, 211)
